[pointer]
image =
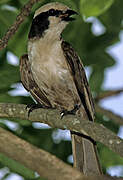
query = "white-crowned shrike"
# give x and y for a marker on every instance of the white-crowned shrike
(54, 75)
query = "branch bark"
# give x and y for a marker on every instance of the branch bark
(19, 19)
(52, 117)
(47, 165)
(44, 163)
(116, 118)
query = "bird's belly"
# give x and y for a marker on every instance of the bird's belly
(58, 87)
(54, 79)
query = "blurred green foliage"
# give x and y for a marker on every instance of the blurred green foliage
(94, 7)
(91, 49)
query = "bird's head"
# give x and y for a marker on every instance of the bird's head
(50, 17)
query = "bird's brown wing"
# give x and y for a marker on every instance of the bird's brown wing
(84, 151)
(79, 77)
(29, 82)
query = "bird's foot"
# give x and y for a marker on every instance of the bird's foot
(33, 106)
(72, 112)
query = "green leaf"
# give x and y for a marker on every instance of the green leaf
(96, 79)
(23, 2)
(6, 19)
(78, 34)
(100, 58)
(69, 3)
(16, 167)
(94, 7)
(112, 19)
(18, 42)
(4, 1)
(109, 158)
(4, 97)
(9, 76)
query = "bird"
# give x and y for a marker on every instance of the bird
(54, 75)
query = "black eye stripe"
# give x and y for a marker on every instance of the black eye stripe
(40, 23)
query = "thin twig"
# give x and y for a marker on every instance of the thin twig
(114, 117)
(52, 117)
(108, 94)
(19, 19)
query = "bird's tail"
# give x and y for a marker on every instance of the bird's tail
(85, 155)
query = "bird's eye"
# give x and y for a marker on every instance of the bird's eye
(51, 12)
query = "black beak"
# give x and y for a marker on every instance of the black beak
(66, 15)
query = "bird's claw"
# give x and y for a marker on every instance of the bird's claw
(72, 112)
(32, 107)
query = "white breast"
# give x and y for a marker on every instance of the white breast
(47, 59)
(51, 72)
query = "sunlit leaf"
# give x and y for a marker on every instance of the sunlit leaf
(94, 7)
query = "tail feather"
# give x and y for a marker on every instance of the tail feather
(85, 155)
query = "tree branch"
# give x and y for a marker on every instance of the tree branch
(107, 94)
(19, 19)
(45, 164)
(52, 117)
(116, 118)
